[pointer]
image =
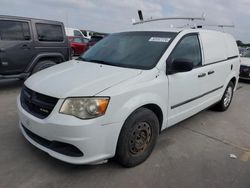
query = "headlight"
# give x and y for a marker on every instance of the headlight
(85, 108)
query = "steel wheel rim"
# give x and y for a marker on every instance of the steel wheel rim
(228, 96)
(140, 138)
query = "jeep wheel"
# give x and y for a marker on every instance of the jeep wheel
(226, 99)
(43, 65)
(137, 138)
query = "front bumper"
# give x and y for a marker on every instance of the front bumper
(95, 139)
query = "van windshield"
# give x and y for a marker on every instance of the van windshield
(139, 50)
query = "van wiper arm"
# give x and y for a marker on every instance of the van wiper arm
(99, 61)
(95, 61)
(81, 59)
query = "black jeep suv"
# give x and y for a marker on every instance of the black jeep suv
(28, 45)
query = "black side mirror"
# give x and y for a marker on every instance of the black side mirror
(181, 65)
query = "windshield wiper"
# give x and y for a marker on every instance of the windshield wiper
(99, 61)
(81, 59)
(95, 61)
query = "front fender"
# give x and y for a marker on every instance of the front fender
(123, 106)
(43, 55)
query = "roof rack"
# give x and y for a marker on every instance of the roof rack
(169, 18)
(220, 25)
(202, 18)
(191, 19)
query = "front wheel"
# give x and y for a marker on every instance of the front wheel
(43, 65)
(226, 99)
(137, 138)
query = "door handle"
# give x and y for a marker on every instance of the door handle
(201, 75)
(210, 72)
(25, 46)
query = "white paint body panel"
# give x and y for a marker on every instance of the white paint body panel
(214, 46)
(128, 90)
(79, 79)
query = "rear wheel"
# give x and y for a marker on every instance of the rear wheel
(226, 99)
(43, 65)
(137, 138)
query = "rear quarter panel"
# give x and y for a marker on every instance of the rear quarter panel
(51, 47)
(221, 55)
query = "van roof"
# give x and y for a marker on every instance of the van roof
(28, 19)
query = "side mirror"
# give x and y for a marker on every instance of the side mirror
(181, 65)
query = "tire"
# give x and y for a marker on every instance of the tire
(226, 99)
(43, 65)
(137, 138)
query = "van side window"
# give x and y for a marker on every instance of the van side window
(84, 33)
(188, 48)
(14, 30)
(77, 33)
(49, 32)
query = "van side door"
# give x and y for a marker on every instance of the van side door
(16, 44)
(219, 63)
(186, 89)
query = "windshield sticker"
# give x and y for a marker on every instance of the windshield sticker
(159, 39)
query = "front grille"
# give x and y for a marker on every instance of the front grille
(59, 147)
(37, 104)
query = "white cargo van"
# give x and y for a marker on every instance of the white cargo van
(115, 99)
(72, 32)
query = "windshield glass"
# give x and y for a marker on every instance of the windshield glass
(247, 54)
(140, 50)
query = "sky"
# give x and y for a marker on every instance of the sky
(116, 15)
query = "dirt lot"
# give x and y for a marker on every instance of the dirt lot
(194, 153)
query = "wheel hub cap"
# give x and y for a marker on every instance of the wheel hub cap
(228, 96)
(139, 138)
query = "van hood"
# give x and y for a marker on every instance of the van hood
(245, 61)
(78, 78)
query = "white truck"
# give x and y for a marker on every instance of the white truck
(115, 99)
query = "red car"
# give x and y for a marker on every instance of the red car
(78, 45)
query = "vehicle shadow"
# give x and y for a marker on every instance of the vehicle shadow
(244, 81)
(10, 84)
